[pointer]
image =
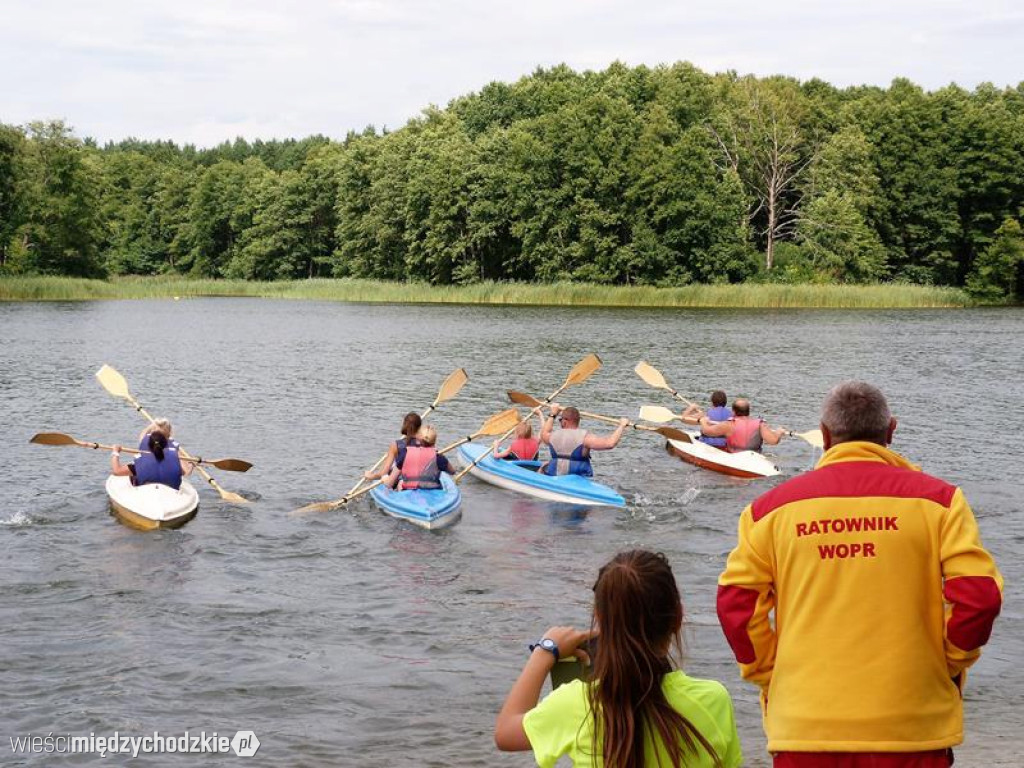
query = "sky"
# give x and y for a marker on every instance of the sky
(206, 71)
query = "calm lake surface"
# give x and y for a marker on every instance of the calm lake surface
(351, 638)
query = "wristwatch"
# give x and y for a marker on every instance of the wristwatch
(548, 645)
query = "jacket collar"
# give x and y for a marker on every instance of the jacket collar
(859, 450)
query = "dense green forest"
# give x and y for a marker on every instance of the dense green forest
(664, 176)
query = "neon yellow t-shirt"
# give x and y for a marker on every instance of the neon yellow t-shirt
(561, 724)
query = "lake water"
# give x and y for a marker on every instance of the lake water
(351, 638)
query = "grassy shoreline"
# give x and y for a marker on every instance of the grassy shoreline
(749, 295)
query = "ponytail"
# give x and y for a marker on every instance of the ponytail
(157, 444)
(636, 602)
(411, 424)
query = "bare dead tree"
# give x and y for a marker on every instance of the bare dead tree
(760, 141)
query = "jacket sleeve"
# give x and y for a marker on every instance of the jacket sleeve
(746, 599)
(972, 586)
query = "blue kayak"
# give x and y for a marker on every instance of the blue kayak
(427, 509)
(522, 476)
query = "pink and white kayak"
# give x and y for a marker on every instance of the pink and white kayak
(741, 464)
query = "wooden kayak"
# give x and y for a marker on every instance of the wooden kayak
(153, 505)
(522, 476)
(741, 464)
(428, 509)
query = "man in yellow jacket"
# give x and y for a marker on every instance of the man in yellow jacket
(882, 597)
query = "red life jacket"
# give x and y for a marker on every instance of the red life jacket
(525, 448)
(419, 470)
(745, 435)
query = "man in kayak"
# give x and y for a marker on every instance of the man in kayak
(882, 593)
(741, 432)
(718, 412)
(570, 446)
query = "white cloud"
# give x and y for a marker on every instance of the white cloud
(205, 71)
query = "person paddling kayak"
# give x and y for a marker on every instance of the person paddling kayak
(718, 412)
(396, 451)
(160, 465)
(524, 448)
(420, 467)
(741, 432)
(570, 446)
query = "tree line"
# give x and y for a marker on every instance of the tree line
(631, 175)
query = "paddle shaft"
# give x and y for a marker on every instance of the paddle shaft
(132, 451)
(634, 425)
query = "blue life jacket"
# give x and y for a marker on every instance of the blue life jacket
(718, 413)
(148, 470)
(568, 454)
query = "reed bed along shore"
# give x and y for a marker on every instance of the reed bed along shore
(748, 295)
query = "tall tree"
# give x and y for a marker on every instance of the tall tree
(998, 273)
(62, 227)
(12, 183)
(758, 131)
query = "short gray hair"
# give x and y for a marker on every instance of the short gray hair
(856, 410)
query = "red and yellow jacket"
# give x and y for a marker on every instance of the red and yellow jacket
(883, 596)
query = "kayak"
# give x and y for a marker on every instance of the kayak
(740, 464)
(153, 505)
(428, 509)
(522, 476)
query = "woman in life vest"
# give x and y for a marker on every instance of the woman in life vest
(523, 448)
(410, 426)
(718, 412)
(421, 465)
(638, 708)
(159, 464)
(570, 446)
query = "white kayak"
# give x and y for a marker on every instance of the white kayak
(740, 464)
(152, 505)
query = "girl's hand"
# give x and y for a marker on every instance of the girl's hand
(569, 640)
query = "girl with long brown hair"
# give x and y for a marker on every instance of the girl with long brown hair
(637, 710)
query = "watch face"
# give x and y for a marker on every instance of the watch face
(548, 644)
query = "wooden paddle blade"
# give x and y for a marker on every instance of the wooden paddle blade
(651, 375)
(234, 498)
(113, 382)
(521, 398)
(657, 413)
(53, 438)
(583, 370)
(812, 437)
(230, 465)
(500, 423)
(452, 385)
(674, 434)
(320, 506)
